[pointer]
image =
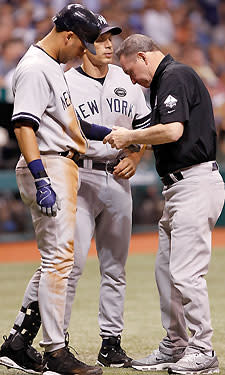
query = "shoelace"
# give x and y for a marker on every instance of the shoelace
(68, 348)
(121, 351)
(71, 355)
(118, 349)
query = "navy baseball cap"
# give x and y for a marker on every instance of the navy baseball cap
(105, 27)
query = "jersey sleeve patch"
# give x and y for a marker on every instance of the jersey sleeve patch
(142, 123)
(170, 102)
(173, 99)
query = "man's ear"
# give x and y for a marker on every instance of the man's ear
(69, 35)
(142, 56)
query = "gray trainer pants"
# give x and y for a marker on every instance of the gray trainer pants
(192, 207)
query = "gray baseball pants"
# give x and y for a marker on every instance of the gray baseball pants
(192, 207)
(104, 209)
(55, 239)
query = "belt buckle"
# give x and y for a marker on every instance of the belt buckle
(109, 167)
(75, 155)
(70, 154)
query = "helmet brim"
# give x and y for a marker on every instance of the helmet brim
(90, 47)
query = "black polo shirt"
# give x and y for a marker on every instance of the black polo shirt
(178, 94)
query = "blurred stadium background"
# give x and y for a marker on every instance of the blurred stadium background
(193, 31)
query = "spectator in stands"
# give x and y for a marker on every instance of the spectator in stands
(12, 50)
(157, 22)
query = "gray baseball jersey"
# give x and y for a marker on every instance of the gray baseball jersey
(42, 98)
(104, 205)
(116, 102)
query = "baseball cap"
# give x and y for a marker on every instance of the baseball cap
(81, 21)
(105, 27)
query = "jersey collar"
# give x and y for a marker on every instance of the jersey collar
(81, 71)
(166, 61)
(35, 45)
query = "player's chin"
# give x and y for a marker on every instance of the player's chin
(108, 58)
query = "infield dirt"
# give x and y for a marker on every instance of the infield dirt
(140, 243)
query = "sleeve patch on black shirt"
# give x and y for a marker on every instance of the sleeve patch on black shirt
(170, 102)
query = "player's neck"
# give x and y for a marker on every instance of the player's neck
(95, 71)
(49, 45)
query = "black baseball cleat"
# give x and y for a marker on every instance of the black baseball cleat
(112, 355)
(14, 353)
(63, 362)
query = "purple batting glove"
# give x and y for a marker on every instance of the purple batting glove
(46, 197)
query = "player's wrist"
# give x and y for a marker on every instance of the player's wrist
(42, 182)
(37, 169)
(131, 137)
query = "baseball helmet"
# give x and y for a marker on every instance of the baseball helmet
(80, 20)
(105, 27)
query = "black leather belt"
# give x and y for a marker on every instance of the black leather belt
(74, 155)
(171, 178)
(106, 167)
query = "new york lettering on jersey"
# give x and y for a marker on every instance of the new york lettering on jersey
(91, 107)
(65, 99)
(115, 101)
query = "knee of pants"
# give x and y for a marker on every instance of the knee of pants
(187, 284)
(63, 264)
(114, 277)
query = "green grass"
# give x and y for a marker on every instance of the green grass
(142, 331)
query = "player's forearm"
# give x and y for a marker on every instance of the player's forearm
(93, 131)
(157, 134)
(27, 142)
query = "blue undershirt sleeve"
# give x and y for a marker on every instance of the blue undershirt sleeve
(94, 132)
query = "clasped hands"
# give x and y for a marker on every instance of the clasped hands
(119, 138)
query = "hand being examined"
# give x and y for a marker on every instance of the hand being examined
(119, 137)
(126, 168)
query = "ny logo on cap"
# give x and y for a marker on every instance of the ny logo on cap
(102, 20)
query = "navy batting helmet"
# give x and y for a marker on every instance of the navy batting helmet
(80, 20)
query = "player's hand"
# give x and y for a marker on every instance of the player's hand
(126, 168)
(119, 137)
(46, 198)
